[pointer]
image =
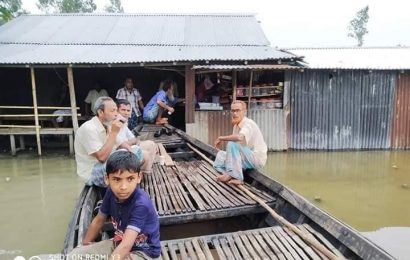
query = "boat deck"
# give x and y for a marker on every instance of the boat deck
(189, 191)
(264, 243)
(186, 191)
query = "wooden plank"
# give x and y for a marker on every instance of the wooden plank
(198, 250)
(158, 198)
(33, 88)
(197, 198)
(172, 192)
(285, 243)
(233, 247)
(218, 248)
(172, 250)
(248, 245)
(182, 193)
(164, 252)
(296, 248)
(277, 254)
(163, 152)
(241, 247)
(307, 249)
(70, 78)
(279, 245)
(13, 145)
(225, 247)
(322, 239)
(256, 245)
(166, 203)
(205, 248)
(182, 251)
(190, 250)
(262, 243)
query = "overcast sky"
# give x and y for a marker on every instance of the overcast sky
(294, 23)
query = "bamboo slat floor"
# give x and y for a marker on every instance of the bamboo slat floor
(264, 243)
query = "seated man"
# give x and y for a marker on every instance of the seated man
(145, 150)
(131, 211)
(95, 140)
(245, 149)
(92, 96)
(158, 104)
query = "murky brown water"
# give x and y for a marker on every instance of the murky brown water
(367, 190)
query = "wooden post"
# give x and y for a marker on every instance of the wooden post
(33, 88)
(189, 94)
(250, 90)
(72, 98)
(234, 84)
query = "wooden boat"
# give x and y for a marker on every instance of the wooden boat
(204, 219)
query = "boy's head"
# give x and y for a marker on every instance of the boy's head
(123, 174)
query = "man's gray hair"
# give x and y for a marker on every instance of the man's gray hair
(100, 103)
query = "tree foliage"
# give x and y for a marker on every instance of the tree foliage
(358, 26)
(10, 9)
(67, 6)
(115, 6)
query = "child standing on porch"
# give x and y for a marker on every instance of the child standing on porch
(131, 211)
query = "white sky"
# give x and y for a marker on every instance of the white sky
(294, 23)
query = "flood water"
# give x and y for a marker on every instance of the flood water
(367, 190)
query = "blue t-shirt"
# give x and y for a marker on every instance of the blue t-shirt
(160, 95)
(136, 213)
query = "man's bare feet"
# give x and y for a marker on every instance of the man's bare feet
(235, 182)
(224, 177)
(162, 121)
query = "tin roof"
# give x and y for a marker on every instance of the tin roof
(247, 67)
(380, 58)
(133, 38)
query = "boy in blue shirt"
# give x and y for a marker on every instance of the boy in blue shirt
(131, 211)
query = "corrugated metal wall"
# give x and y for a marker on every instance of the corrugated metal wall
(401, 121)
(349, 109)
(211, 124)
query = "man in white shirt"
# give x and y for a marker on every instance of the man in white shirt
(144, 150)
(245, 149)
(92, 96)
(95, 140)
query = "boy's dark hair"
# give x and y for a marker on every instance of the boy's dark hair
(123, 102)
(121, 161)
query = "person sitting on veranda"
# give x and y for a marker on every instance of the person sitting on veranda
(159, 103)
(145, 150)
(92, 96)
(245, 149)
(130, 209)
(62, 100)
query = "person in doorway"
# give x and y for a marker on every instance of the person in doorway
(132, 94)
(159, 103)
(95, 140)
(245, 149)
(134, 218)
(92, 96)
(144, 150)
(62, 100)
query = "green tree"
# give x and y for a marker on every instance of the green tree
(358, 26)
(114, 7)
(10, 9)
(67, 6)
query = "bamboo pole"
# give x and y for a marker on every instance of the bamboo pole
(72, 98)
(250, 90)
(18, 126)
(33, 88)
(307, 237)
(39, 107)
(234, 84)
(39, 115)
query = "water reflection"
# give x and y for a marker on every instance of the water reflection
(37, 198)
(367, 190)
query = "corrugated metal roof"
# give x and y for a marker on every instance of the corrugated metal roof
(246, 67)
(133, 38)
(382, 58)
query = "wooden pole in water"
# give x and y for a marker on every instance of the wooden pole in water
(33, 89)
(74, 118)
(307, 237)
